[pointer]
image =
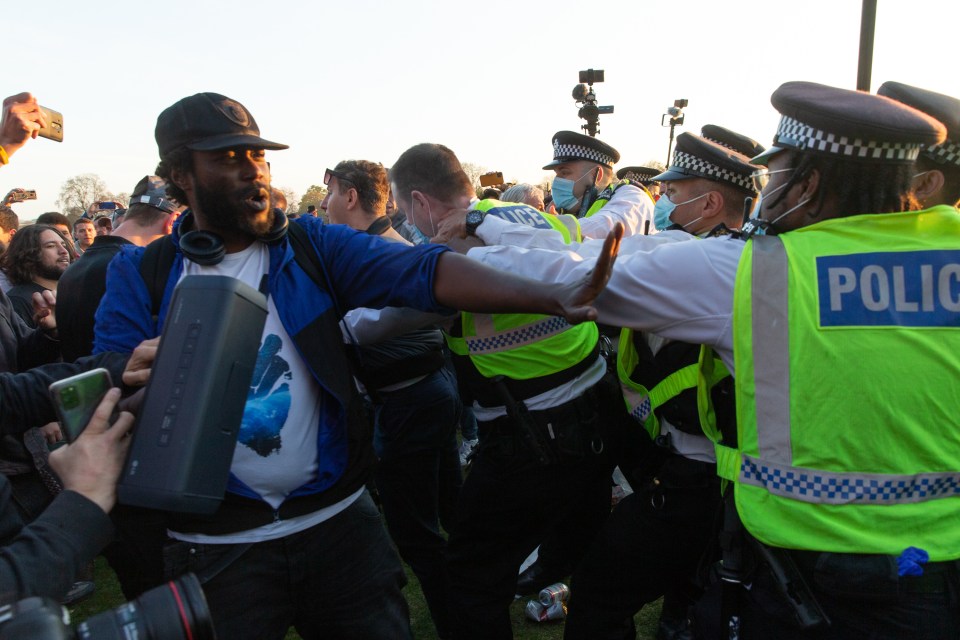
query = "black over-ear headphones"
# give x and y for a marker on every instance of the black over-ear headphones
(206, 248)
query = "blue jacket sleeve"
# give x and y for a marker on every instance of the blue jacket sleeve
(367, 271)
(123, 319)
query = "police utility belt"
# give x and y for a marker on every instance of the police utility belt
(569, 431)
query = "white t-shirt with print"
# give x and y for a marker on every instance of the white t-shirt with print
(277, 445)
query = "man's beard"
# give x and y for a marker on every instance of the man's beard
(225, 211)
(50, 272)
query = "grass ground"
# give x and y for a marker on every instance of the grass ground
(108, 595)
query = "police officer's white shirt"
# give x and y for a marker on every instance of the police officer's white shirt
(494, 231)
(629, 205)
(678, 290)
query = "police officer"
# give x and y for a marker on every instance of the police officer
(540, 397)
(938, 167)
(704, 189)
(651, 544)
(845, 473)
(584, 184)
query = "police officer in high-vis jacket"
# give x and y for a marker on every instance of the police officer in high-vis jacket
(653, 541)
(841, 327)
(540, 394)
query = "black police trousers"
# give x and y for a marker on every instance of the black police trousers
(508, 504)
(650, 545)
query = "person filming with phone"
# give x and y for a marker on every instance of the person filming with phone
(43, 557)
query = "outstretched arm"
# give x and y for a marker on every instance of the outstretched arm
(464, 284)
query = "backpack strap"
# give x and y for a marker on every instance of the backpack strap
(155, 265)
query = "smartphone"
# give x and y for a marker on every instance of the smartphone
(54, 129)
(77, 397)
(492, 179)
(20, 196)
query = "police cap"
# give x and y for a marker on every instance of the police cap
(697, 157)
(732, 140)
(852, 125)
(569, 146)
(943, 108)
(643, 175)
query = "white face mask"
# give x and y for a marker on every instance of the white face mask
(433, 227)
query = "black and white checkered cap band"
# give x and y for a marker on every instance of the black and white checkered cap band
(721, 143)
(642, 178)
(701, 167)
(947, 152)
(793, 133)
(580, 152)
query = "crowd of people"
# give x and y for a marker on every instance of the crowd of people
(453, 377)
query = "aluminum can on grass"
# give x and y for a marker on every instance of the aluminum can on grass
(558, 592)
(539, 613)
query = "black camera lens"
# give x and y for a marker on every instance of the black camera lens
(174, 610)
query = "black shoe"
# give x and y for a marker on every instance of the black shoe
(536, 577)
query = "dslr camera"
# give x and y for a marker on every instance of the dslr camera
(172, 611)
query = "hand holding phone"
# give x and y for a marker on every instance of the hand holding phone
(91, 466)
(76, 399)
(19, 195)
(22, 119)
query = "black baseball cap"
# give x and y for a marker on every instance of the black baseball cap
(208, 122)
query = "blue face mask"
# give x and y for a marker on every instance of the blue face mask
(562, 190)
(664, 208)
(661, 213)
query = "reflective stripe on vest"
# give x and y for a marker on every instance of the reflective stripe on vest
(847, 352)
(516, 337)
(522, 346)
(642, 403)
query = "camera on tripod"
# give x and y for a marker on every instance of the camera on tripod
(583, 94)
(171, 611)
(675, 113)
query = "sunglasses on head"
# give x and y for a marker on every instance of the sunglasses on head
(330, 173)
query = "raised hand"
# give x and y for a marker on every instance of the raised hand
(576, 298)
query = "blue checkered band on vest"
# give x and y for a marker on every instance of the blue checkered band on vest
(701, 167)
(642, 411)
(580, 152)
(947, 152)
(823, 487)
(518, 337)
(793, 133)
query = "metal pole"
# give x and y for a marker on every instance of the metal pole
(670, 144)
(868, 23)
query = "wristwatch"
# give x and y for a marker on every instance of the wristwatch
(474, 219)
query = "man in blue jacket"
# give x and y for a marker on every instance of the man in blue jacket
(297, 541)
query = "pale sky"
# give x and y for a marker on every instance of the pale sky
(492, 79)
